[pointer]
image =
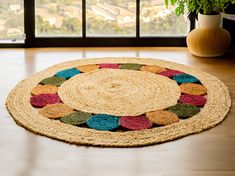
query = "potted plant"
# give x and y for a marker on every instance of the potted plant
(209, 39)
(229, 21)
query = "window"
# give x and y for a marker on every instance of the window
(92, 23)
(111, 18)
(11, 21)
(157, 20)
(58, 18)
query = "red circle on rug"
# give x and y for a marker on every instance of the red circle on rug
(195, 100)
(42, 100)
(170, 73)
(135, 122)
(113, 66)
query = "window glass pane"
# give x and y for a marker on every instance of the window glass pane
(157, 20)
(111, 18)
(58, 18)
(11, 21)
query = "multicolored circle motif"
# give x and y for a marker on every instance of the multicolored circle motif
(41, 100)
(76, 118)
(68, 73)
(135, 123)
(192, 100)
(103, 122)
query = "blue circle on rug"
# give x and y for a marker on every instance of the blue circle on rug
(68, 73)
(185, 78)
(103, 122)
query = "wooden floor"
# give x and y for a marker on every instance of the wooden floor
(23, 153)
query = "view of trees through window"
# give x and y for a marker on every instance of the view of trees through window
(157, 20)
(111, 17)
(104, 18)
(108, 18)
(58, 18)
(11, 20)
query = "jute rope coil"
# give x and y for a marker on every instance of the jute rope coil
(215, 110)
(119, 92)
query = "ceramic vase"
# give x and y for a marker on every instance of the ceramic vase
(209, 39)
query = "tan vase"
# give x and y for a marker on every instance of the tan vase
(209, 39)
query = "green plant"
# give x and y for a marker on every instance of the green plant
(206, 7)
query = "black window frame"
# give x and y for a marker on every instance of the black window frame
(138, 41)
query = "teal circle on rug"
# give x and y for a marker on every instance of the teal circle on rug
(185, 78)
(68, 73)
(103, 122)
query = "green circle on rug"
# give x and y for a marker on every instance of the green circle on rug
(76, 118)
(131, 66)
(184, 110)
(57, 81)
(121, 92)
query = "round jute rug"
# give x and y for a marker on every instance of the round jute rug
(119, 102)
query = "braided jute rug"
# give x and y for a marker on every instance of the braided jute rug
(119, 102)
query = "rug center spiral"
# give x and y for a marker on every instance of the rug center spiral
(119, 92)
